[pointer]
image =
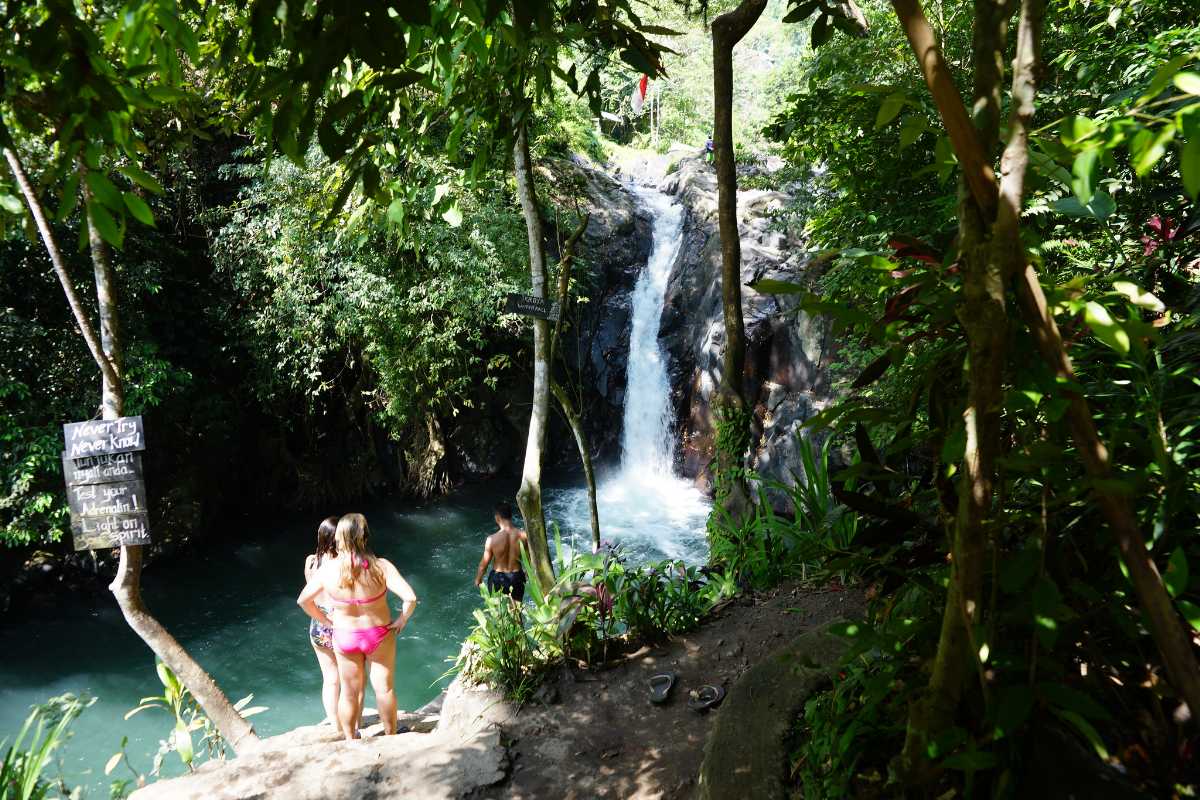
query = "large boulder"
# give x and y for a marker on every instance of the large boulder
(788, 351)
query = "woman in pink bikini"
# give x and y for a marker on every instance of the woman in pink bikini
(356, 584)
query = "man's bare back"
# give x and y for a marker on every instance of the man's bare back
(503, 551)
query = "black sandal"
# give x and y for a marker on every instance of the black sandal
(660, 687)
(706, 697)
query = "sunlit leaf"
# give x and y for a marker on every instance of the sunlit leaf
(1136, 296)
(1176, 576)
(1106, 329)
(1188, 82)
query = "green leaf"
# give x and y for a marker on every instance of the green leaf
(453, 216)
(1148, 147)
(1163, 76)
(11, 203)
(104, 191)
(69, 197)
(1176, 576)
(889, 109)
(801, 12)
(1101, 207)
(1135, 295)
(141, 178)
(183, 742)
(1189, 167)
(637, 59)
(110, 231)
(137, 206)
(769, 286)
(1084, 727)
(1191, 612)
(1086, 172)
(821, 31)
(1188, 82)
(912, 129)
(395, 212)
(1076, 129)
(1106, 329)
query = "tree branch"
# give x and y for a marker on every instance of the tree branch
(60, 268)
(977, 170)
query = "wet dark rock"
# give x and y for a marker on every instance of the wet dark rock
(609, 257)
(788, 352)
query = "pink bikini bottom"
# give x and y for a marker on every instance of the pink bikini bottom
(359, 640)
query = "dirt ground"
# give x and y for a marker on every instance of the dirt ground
(596, 735)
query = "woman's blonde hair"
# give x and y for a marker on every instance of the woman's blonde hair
(351, 536)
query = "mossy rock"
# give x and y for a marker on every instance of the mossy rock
(744, 755)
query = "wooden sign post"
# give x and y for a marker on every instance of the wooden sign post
(529, 306)
(102, 464)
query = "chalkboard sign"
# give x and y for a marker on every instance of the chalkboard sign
(104, 437)
(112, 530)
(103, 499)
(102, 465)
(529, 306)
(103, 469)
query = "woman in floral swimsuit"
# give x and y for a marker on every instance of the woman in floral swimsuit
(319, 635)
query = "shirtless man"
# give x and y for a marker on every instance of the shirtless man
(503, 549)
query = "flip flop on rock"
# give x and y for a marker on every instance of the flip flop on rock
(705, 697)
(660, 687)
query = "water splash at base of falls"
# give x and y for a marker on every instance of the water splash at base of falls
(644, 506)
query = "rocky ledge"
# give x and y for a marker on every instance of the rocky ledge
(588, 733)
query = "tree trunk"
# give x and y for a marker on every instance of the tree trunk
(565, 404)
(982, 313)
(529, 496)
(733, 414)
(126, 587)
(576, 423)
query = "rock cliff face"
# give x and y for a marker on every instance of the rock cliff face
(788, 352)
(489, 439)
(610, 256)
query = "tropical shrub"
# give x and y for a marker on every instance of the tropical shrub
(22, 772)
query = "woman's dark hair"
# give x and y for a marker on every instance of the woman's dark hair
(326, 546)
(504, 510)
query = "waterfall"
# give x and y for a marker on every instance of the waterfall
(644, 506)
(647, 445)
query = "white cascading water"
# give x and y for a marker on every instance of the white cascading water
(644, 506)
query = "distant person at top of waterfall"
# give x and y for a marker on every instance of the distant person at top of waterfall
(503, 550)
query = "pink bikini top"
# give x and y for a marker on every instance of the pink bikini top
(357, 601)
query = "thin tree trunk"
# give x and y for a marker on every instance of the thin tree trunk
(1174, 643)
(565, 404)
(733, 415)
(529, 496)
(983, 315)
(126, 587)
(60, 266)
(573, 419)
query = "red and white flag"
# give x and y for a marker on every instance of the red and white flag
(639, 94)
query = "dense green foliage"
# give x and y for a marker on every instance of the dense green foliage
(598, 602)
(27, 759)
(1059, 647)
